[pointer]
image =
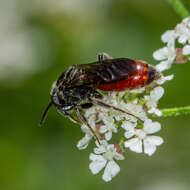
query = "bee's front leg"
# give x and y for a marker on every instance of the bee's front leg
(65, 113)
(84, 120)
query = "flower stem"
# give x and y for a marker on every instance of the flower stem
(179, 7)
(175, 111)
(121, 143)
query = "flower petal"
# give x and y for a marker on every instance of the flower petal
(182, 38)
(97, 166)
(85, 129)
(94, 157)
(168, 36)
(111, 170)
(128, 126)
(164, 65)
(155, 140)
(103, 129)
(149, 148)
(155, 111)
(101, 148)
(186, 50)
(83, 143)
(134, 144)
(118, 156)
(108, 135)
(161, 54)
(129, 134)
(157, 93)
(151, 127)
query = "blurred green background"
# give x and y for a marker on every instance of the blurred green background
(38, 40)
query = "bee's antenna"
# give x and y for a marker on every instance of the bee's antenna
(45, 113)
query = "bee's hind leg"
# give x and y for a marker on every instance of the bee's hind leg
(100, 103)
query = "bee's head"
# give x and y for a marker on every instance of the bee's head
(55, 100)
(56, 97)
(154, 74)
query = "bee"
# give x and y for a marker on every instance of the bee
(77, 87)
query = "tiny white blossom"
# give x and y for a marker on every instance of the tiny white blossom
(104, 157)
(108, 127)
(183, 31)
(169, 36)
(161, 54)
(170, 54)
(135, 109)
(129, 128)
(83, 143)
(142, 137)
(131, 108)
(153, 99)
(186, 50)
(167, 55)
(91, 111)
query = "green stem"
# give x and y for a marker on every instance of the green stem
(175, 111)
(179, 7)
(121, 143)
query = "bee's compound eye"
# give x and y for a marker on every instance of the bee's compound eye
(55, 99)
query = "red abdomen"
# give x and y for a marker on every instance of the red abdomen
(139, 77)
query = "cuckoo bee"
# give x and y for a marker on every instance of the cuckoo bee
(77, 87)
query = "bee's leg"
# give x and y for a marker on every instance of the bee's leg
(73, 119)
(100, 103)
(103, 56)
(84, 120)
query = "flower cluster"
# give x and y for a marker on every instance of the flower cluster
(177, 49)
(137, 127)
(137, 134)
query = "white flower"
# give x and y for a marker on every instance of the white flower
(104, 158)
(83, 143)
(183, 31)
(129, 127)
(167, 55)
(186, 50)
(135, 109)
(142, 137)
(108, 127)
(169, 36)
(153, 99)
(91, 111)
